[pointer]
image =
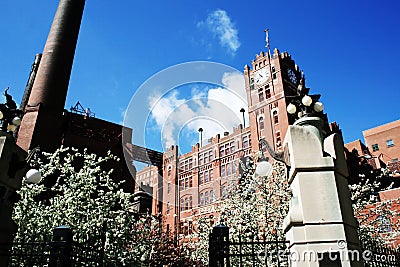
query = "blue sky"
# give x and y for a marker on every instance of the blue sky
(349, 51)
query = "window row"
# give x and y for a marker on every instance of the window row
(275, 120)
(227, 148)
(186, 203)
(228, 168)
(264, 93)
(206, 176)
(185, 182)
(389, 143)
(207, 197)
(186, 165)
(205, 157)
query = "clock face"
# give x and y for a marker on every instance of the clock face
(292, 76)
(261, 76)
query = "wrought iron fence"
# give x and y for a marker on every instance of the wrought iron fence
(58, 251)
(256, 251)
(246, 250)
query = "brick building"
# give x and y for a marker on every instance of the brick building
(383, 142)
(193, 183)
(381, 147)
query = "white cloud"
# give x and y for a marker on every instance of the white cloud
(219, 23)
(215, 110)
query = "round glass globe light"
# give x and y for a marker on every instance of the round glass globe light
(306, 100)
(318, 107)
(16, 121)
(300, 114)
(291, 109)
(264, 168)
(1, 115)
(33, 176)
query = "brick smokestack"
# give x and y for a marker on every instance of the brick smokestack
(42, 122)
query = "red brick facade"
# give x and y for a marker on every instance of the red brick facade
(193, 183)
(384, 141)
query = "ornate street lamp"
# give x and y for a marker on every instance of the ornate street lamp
(10, 116)
(305, 105)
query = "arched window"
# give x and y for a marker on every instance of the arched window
(201, 199)
(182, 204)
(206, 198)
(212, 196)
(261, 123)
(187, 204)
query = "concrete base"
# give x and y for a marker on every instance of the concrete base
(320, 225)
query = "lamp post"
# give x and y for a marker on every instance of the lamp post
(201, 136)
(320, 213)
(13, 165)
(10, 116)
(242, 110)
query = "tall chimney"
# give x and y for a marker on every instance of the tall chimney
(42, 122)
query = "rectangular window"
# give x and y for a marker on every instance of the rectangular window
(212, 196)
(201, 180)
(227, 149)
(228, 169)
(234, 167)
(224, 192)
(395, 160)
(211, 175)
(375, 147)
(222, 151)
(169, 188)
(245, 141)
(267, 93)
(206, 176)
(205, 157)
(389, 143)
(182, 204)
(260, 97)
(206, 198)
(222, 170)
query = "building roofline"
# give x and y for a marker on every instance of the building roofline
(377, 129)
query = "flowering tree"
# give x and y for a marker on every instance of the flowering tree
(255, 206)
(77, 191)
(378, 220)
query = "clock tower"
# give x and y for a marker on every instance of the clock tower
(269, 81)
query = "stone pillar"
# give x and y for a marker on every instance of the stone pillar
(320, 225)
(42, 122)
(12, 169)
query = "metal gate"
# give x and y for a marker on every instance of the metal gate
(246, 250)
